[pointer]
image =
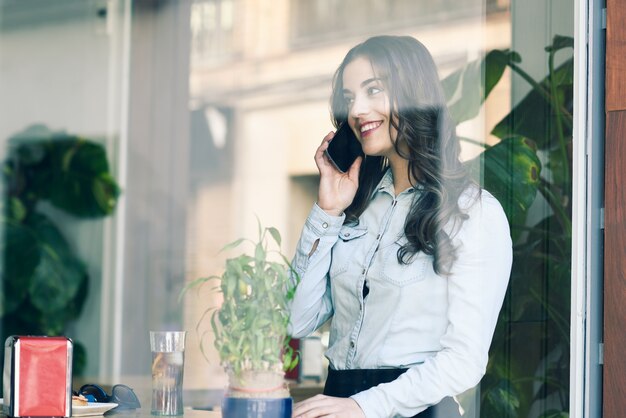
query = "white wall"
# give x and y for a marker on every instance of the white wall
(55, 74)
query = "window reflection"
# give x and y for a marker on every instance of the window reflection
(316, 20)
(259, 85)
(212, 33)
(280, 107)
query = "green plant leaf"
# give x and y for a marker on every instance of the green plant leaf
(535, 118)
(275, 235)
(553, 413)
(105, 192)
(467, 88)
(21, 255)
(560, 42)
(503, 399)
(232, 245)
(29, 144)
(32, 153)
(196, 283)
(251, 324)
(556, 164)
(17, 210)
(81, 183)
(59, 274)
(259, 253)
(510, 170)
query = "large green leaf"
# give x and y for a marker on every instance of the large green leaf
(560, 42)
(23, 321)
(29, 159)
(534, 116)
(510, 171)
(467, 88)
(16, 210)
(502, 400)
(81, 183)
(20, 251)
(71, 172)
(31, 152)
(59, 274)
(55, 282)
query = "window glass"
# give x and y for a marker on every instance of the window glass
(197, 119)
(518, 144)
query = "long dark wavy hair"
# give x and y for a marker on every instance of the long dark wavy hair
(426, 137)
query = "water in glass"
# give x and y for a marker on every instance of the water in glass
(167, 383)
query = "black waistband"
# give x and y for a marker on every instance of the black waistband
(345, 383)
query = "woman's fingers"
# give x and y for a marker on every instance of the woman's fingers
(327, 406)
(336, 190)
(302, 408)
(320, 159)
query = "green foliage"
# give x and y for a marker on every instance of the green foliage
(251, 325)
(529, 357)
(502, 400)
(554, 414)
(467, 88)
(44, 282)
(510, 170)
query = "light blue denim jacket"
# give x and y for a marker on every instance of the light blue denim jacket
(438, 327)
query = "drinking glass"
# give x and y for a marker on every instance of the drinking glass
(168, 359)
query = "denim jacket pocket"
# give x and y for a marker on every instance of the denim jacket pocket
(403, 274)
(343, 252)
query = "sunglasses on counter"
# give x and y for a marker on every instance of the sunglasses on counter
(122, 395)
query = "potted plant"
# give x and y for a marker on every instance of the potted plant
(44, 281)
(250, 327)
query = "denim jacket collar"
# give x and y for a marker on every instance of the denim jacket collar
(386, 185)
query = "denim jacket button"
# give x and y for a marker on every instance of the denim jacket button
(325, 225)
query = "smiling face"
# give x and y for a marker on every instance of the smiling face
(368, 108)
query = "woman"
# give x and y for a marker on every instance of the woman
(408, 257)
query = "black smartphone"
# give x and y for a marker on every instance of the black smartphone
(344, 148)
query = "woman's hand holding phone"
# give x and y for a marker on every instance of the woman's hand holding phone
(337, 189)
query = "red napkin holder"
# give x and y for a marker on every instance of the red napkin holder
(37, 377)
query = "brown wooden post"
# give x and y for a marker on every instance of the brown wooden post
(614, 380)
